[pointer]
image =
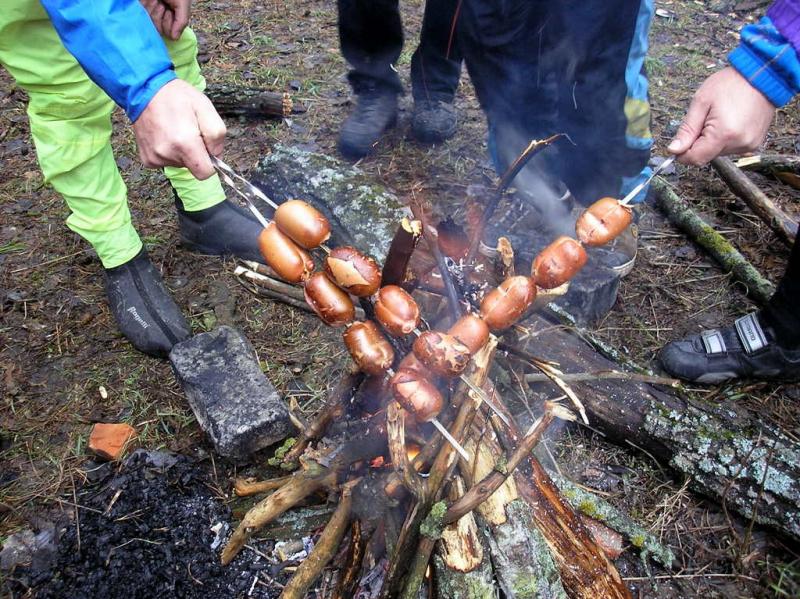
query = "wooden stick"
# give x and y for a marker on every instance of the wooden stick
(403, 244)
(773, 164)
(244, 487)
(579, 377)
(232, 100)
(682, 216)
(478, 493)
(323, 552)
(759, 203)
(396, 430)
(334, 408)
(359, 539)
(298, 488)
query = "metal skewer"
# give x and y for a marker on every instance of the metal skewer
(635, 191)
(227, 174)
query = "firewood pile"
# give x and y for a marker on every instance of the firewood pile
(434, 480)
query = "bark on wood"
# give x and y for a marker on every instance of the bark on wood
(728, 453)
(522, 561)
(478, 583)
(598, 509)
(322, 553)
(402, 247)
(484, 452)
(585, 570)
(461, 548)
(771, 163)
(760, 204)
(250, 102)
(682, 216)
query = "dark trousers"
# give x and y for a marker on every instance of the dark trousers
(371, 38)
(543, 67)
(781, 312)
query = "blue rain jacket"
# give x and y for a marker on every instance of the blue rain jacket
(117, 45)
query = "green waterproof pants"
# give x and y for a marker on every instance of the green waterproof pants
(70, 121)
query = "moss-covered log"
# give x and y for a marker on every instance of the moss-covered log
(524, 566)
(726, 452)
(682, 216)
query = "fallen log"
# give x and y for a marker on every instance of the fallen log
(764, 208)
(726, 452)
(681, 215)
(251, 102)
(777, 165)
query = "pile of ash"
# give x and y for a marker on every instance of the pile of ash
(152, 527)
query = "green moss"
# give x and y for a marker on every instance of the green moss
(638, 540)
(525, 587)
(589, 507)
(433, 524)
(280, 453)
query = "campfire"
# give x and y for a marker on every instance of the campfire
(416, 442)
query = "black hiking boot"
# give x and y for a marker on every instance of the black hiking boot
(433, 121)
(143, 307)
(745, 350)
(375, 112)
(222, 230)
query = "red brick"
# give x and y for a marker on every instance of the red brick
(109, 440)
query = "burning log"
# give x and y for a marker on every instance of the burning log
(760, 204)
(249, 102)
(405, 514)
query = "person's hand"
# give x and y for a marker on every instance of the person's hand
(727, 116)
(180, 127)
(169, 16)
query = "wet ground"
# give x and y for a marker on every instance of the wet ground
(64, 366)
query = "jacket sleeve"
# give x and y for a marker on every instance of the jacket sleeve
(117, 45)
(767, 55)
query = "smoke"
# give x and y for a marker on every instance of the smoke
(537, 186)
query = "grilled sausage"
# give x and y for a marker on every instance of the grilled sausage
(290, 262)
(331, 304)
(558, 262)
(602, 221)
(302, 223)
(353, 271)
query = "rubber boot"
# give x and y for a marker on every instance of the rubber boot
(143, 307)
(222, 230)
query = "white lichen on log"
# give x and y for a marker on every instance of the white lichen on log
(751, 470)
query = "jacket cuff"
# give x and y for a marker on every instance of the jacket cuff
(760, 76)
(139, 101)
